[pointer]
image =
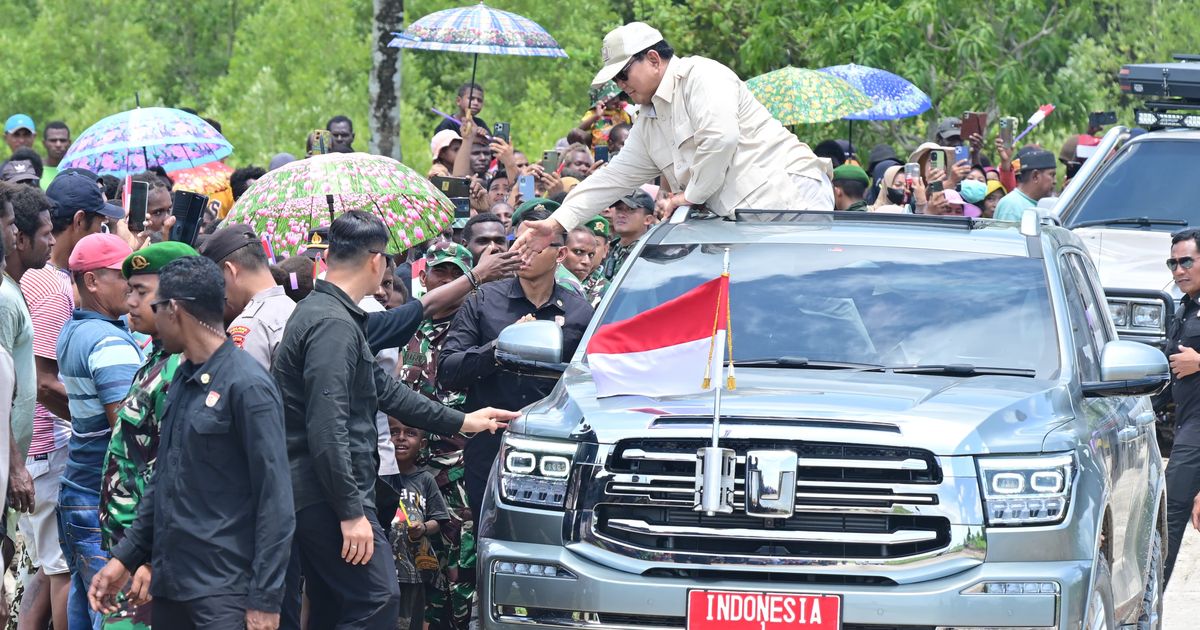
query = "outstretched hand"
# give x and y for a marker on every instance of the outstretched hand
(488, 419)
(536, 237)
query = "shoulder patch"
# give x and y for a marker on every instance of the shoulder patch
(238, 334)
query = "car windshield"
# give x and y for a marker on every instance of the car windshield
(861, 304)
(1148, 179)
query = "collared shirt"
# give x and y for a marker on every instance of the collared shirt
(217, 515)
(97, 359)
(617, 253)
(51, 301)
(1184, 330)
(259, 328)
(332, 387)
(1013, 205)
(707, 136)
(16, 336)
(387, 359)
(858, 206)
(133, 448)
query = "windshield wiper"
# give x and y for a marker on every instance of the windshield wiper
(803, 363)
(960, 369)
(1139, 221)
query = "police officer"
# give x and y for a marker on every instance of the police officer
(1183, 469)
(256, 309)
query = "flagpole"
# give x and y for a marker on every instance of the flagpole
(715, 465)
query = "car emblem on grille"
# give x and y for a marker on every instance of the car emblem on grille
(771, 483)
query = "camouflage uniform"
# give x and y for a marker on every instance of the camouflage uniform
(449, 602)
(594, 286)
(132, 451)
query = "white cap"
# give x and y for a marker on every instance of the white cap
(441, 140)
(622, 43)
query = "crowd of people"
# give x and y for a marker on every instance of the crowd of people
(306, 442)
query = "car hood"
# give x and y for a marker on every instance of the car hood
(1129, 259)
(949, 416)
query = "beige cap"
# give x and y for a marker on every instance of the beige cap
(622, 43)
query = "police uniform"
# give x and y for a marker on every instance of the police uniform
(259, 328)
(1183, 468)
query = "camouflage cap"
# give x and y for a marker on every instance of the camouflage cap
(152, 258)
(600, 226)
(443, 251)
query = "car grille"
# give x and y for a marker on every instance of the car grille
(852, 501)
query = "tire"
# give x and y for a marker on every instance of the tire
(1152, 598)
(1100, 614)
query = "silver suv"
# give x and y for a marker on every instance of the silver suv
(960, 437)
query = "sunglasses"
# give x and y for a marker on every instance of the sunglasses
(1187, 262)
(157, 303)
(623, 75)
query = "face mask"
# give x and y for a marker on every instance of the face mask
(973, 191)
(896, 195)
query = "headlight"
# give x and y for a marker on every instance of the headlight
(1147, 316)
(1120, 313)
(535, 471)
(1032, 490)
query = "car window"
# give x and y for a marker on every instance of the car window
(863, 304)
(1121, 190)
(1086, 341)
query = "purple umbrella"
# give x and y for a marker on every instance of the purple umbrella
(130, 142)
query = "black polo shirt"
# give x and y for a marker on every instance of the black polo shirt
(217, 516)
(1185, 330)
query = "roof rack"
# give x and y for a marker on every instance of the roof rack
(801, 216)
(1174, 86)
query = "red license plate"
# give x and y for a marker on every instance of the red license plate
(743, 610)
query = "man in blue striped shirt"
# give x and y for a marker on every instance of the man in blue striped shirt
(97, 360)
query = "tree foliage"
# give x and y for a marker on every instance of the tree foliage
(272, 70)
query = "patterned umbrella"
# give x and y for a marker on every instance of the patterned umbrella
(287, 202)
(797, 96)
(479, 29)
(894, 96)
(129, 142)
(210, 179)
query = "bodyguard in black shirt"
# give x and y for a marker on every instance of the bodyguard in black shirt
(1183, 469)
(216, 520)
(331, 389)
(468, 357)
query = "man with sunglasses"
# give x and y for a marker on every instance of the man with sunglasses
(1183, 340)
(701, 130)
(97, 360)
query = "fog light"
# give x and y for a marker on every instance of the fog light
(1012, 588)
(504, 567)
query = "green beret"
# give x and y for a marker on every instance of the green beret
(152, 258)
(850, 172)
(600, 226)
(530, 205)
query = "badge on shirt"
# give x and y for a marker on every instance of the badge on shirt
(212, 400)
(560, 320)
(238, 335)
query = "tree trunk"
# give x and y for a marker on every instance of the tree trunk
(385, 80)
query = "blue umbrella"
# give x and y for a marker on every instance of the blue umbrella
(132, 141)
(479, 29)
(895, 97)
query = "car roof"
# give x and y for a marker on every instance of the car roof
(1167, 134)
(982, 236)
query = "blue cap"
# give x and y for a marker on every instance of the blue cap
(19, 121)
(72, 191)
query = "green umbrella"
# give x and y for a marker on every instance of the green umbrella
(798, 96)
(286, 203)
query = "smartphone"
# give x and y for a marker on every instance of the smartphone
(1007, 125)
(525, 185)
(935, 187)
(453, 187)
(962, 153)
(501, 130)
(912, 172)
(602, 153)
(139, 193)
(462, 207)
(188, 209)
(550, 161)
(1097, 120)
(973, 123)
(937, 159)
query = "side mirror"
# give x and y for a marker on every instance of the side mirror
(532, 348)
(1129, 368)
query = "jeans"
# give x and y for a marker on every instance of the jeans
(79, 535)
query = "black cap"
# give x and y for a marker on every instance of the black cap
(639, 199)
(73, 190)
(1036, 160)
(227, 240)
(318, 242)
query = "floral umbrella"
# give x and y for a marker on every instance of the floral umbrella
(129, 142)
(479, 29)
(798, 96)
(286, 203)
(210, 179)
(894, 96)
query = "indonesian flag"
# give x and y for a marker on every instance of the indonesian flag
(671, 349)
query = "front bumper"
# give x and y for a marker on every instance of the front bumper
(589, 595)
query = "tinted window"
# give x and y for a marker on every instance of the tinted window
(1148, 179)
(880, 305)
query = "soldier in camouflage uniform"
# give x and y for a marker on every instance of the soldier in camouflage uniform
(133, 447)
(448, 604)
(595, 284)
